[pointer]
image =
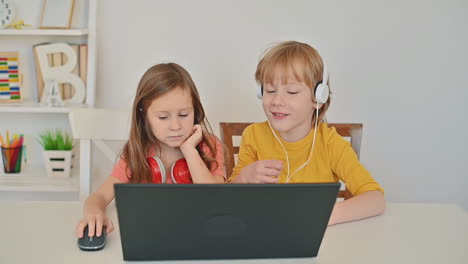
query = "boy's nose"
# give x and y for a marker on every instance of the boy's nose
(278, 99)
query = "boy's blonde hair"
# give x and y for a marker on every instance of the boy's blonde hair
(293, 59)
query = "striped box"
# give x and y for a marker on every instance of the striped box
(9, 77)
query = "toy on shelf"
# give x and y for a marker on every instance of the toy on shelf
(10, 90)
(18, 25)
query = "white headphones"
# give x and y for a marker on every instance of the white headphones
(321, 90)
(321, 96)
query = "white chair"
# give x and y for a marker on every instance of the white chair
(97, 125)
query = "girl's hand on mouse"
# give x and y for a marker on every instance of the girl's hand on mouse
(95, 222)
(262, 171)
(193, 140)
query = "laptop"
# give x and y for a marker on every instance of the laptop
(225, 221)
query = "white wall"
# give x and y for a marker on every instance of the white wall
(400, 67)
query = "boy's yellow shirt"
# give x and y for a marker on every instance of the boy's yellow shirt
(333, 158)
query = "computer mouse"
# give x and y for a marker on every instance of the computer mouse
(92, 243)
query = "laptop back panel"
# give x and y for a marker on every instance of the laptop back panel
(175, 222)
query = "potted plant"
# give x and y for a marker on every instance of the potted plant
(58, 147)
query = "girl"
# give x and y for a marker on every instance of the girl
(168, 124)
(295, 145)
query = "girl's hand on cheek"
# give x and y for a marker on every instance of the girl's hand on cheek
(193, 140)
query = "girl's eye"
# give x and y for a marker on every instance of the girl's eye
(292, 92)
(162, 117)
(271, 91)
(183, 115)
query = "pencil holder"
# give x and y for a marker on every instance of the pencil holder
(11, 157)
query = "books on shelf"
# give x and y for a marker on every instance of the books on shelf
(59, 59)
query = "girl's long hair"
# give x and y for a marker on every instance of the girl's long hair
(157, 80)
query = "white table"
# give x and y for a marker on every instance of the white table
(43, 232)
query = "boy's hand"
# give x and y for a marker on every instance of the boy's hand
(262, 171)
(95, 222)
(193, 140)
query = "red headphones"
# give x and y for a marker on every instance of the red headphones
(179, 171)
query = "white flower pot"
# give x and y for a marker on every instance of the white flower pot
(58, 163)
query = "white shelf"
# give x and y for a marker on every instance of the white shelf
(35, 107)
(44, 32)
(36, 180)
(31, 181)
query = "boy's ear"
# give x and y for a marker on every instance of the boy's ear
(260, 91)
(321, 93)
(317, 106)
